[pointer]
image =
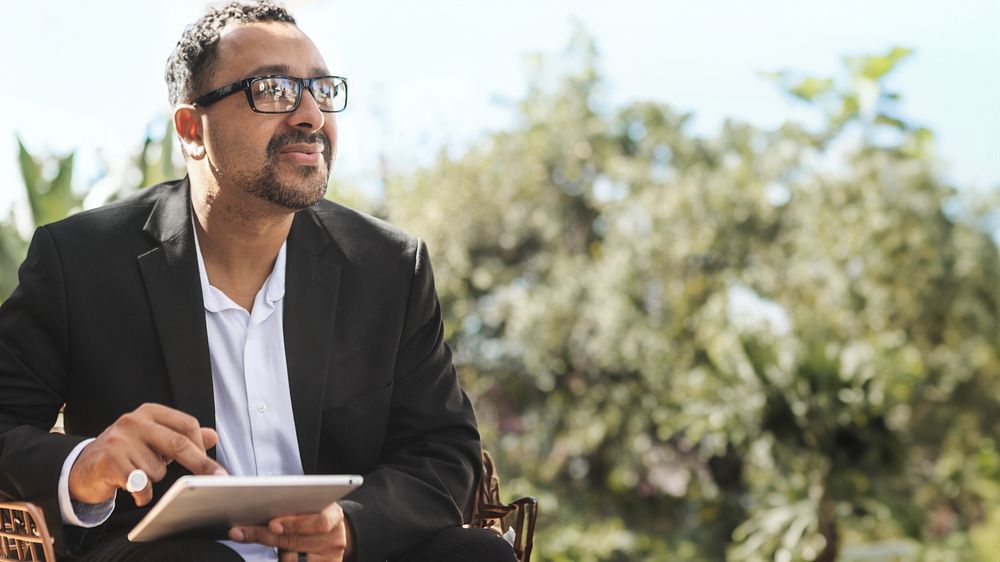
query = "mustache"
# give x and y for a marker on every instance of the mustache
(292, 137)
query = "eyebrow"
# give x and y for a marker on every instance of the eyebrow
(284, 69)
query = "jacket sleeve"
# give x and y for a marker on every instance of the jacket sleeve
(431, 458)
(33, 359)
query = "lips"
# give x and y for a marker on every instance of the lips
(302, 153)
(303, 148)
(299, 149)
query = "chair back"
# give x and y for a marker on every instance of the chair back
(23, 533)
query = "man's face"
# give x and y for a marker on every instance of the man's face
(283, 158)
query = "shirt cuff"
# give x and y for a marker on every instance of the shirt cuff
(78, 513)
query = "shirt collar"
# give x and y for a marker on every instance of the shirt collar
(217, 301)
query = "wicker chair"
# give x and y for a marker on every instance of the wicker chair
(24, 535)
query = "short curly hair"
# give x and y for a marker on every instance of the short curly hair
(190, 66)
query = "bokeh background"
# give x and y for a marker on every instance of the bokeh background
(722, 277)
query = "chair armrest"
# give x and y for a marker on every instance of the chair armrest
(490, 513)
(519, 515)
(23, 533)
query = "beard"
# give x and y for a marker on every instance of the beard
(311, 182)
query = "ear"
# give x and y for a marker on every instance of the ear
(187, 123)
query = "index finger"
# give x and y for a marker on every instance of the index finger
(177, 420)
(187, 425)
(172, 445)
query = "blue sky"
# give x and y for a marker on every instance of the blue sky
(88, 74)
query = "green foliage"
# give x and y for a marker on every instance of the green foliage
(985, 537)
(49, 187)
(863, 100)
(875, 68)
(48, 183)
(12, 250)
(155, 160)
(764, 345)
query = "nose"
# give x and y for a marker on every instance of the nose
(307, 115)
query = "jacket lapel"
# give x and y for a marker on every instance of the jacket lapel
(312, 282)
(170, 272)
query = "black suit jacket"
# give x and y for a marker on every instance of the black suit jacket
(109, 315)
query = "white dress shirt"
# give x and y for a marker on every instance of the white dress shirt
(253, 406)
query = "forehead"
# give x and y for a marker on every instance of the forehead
(265, 48)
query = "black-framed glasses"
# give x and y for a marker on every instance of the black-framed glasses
(282, 94)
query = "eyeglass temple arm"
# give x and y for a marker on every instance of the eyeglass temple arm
(216, 95)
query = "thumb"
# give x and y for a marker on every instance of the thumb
(209, 437)
(143, 496)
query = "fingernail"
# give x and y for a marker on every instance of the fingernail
(236, 535)
(220, 472)
(278, 529)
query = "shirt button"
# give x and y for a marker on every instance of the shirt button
(261, 407)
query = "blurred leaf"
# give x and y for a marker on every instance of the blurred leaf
(883, 119)
(12, 250)
(50, 199)
(811, 88)
(876, 67)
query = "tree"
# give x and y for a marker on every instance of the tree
(761, 345)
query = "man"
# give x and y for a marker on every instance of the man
(235, 322)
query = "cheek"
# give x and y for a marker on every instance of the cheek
(229, 145)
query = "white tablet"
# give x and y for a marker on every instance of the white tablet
(208, 506)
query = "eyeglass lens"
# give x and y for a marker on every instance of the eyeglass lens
(279, 94)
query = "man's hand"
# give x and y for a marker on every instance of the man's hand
(149, 438)
(323, 537)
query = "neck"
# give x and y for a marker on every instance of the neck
(239, 240)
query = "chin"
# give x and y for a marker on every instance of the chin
(298, 199)
(294, 196)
